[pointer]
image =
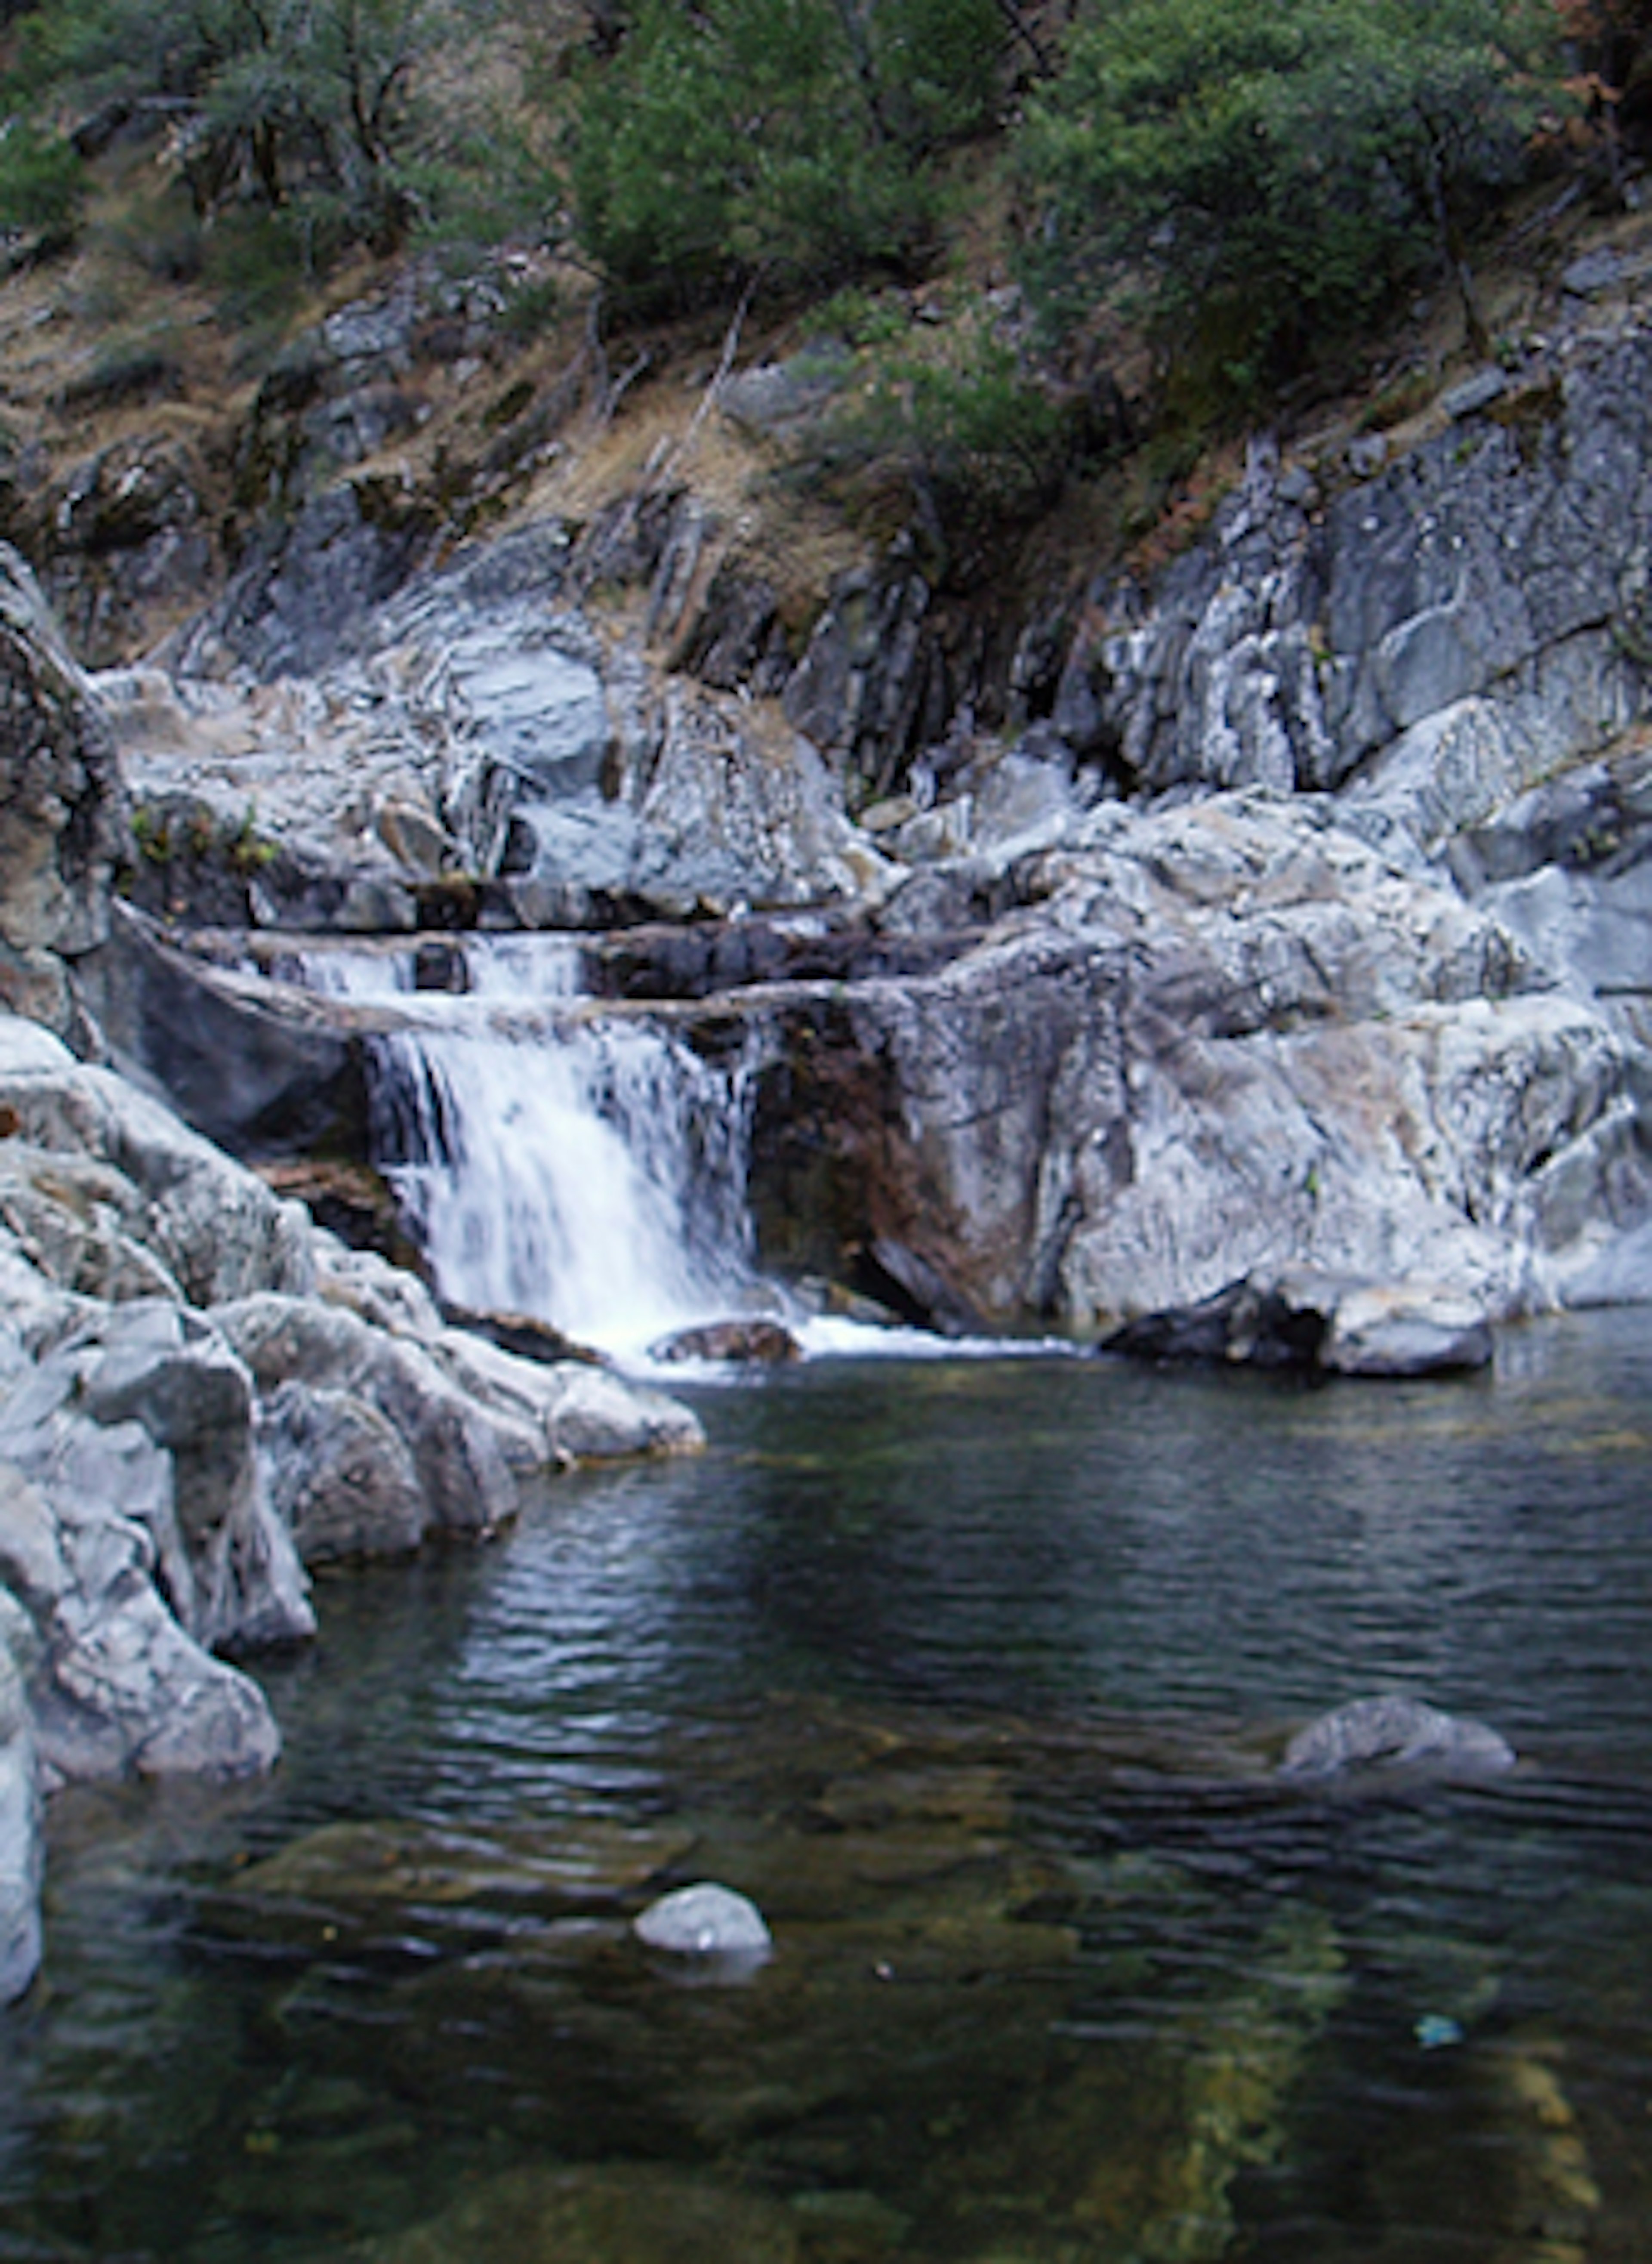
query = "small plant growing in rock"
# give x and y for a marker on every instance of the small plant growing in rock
(246, 850)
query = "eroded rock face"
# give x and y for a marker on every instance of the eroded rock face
(343, 744)
(127, 541)
(113, 1196)
(1207, 1040)
(1488, 586)
(117, 1686)
(61, 808)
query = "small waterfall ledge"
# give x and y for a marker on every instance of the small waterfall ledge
(576, 1166)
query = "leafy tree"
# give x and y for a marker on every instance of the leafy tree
(275, 101)
(1268, 178)
(777, 138)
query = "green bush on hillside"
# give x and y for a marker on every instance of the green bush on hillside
(780, 139)
(42, 183)
(289, 103)
(1266, 179)
(939, 429)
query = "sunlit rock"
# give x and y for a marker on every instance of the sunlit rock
(1405, 1329)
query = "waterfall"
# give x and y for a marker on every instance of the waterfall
(586, 1169)
(595, 1179)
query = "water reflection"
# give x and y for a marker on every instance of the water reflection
(974, 1679)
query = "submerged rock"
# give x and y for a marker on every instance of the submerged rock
(569, 1859)
(705, 1920)
(638, 2212)
(1395, 1732)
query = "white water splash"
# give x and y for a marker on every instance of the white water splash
(595, 1179)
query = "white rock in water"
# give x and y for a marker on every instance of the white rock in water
(1395, 1732)
(705, 1921)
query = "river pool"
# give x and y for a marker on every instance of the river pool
(974, 1675)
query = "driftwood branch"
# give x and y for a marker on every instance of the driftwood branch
(614, 393)
(725, 363)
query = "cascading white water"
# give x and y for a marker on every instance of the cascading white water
(584, 1168)
(588, 1172)
(594, 1179)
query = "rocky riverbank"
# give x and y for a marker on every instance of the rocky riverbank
(201, 1391)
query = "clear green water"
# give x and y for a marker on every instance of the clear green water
(973, 1675)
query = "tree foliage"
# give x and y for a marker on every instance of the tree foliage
(274, 102)
(1268, 178)
(780, 138)
(42, 183)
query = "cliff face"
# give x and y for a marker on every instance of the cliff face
(1360, 973)
(61, 807)
(1462, 620)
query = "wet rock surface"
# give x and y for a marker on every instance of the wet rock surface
(1395, 1733)
(1316, 1322)
(705, 1920)
(765, 1342)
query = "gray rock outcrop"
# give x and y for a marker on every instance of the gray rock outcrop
(1466, 621)
(61, 807)
(1195, 1044)
(397, 749)
(1319, 1323)
(21, 1855)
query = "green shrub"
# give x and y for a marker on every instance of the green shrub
(945, 432)
(1266, 179)
(780, 139)
(43, 183)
